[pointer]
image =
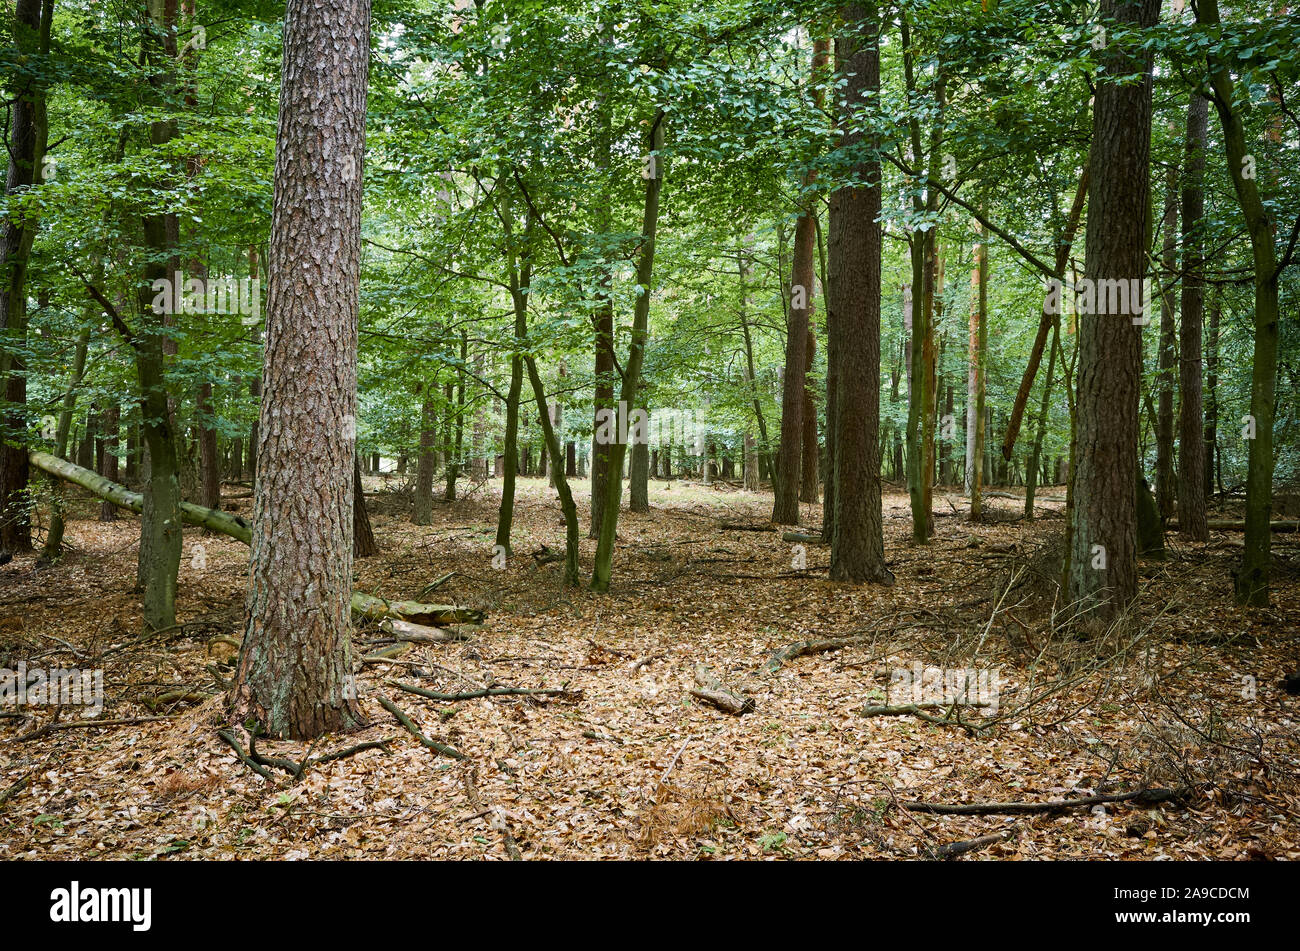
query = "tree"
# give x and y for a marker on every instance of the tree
(603, 567)
(786, 484)
(1102, 577)
(1252, 578)
(1191, 442)
(853, 272)
(28, 127)
(294, 673)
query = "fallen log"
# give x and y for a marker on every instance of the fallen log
(488, 692)
(420, 633)
(240, 529)
(711, 690)
(803, 537)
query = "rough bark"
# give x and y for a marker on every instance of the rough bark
(1103, 518)
(294, 672)
(854, 265)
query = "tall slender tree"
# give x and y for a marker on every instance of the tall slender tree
(1191, 440)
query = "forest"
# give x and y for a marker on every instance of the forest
(650, 429)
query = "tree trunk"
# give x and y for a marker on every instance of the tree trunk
(160, 527)
(639, 474)
(602, 568)
(1103, 556)
(854, 264)
(294, 675)
(423, 509)
(1191, 425)
(1167, 355)
(1252, 579)
(975, 386)
(1036, 454)
(1212, 393)
(808, 467)
(363, 536)
(520, 278)
(786, 483)
(27, 126)
(110, 424)
(209, 472)
(53, 548)
(567, 505)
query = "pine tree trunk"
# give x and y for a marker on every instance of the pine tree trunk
(854, 266)
(294, 675)
(1103, 555)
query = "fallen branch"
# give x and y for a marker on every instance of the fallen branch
(1141, 797)
(83, 725)
(804, 648)
(918, 710)
(489, 692)
(241, 530)
(400, 715)
(14, 789)
(712, 691)
(175, 696)
(953, 849)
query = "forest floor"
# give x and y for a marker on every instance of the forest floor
(1186, 697)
